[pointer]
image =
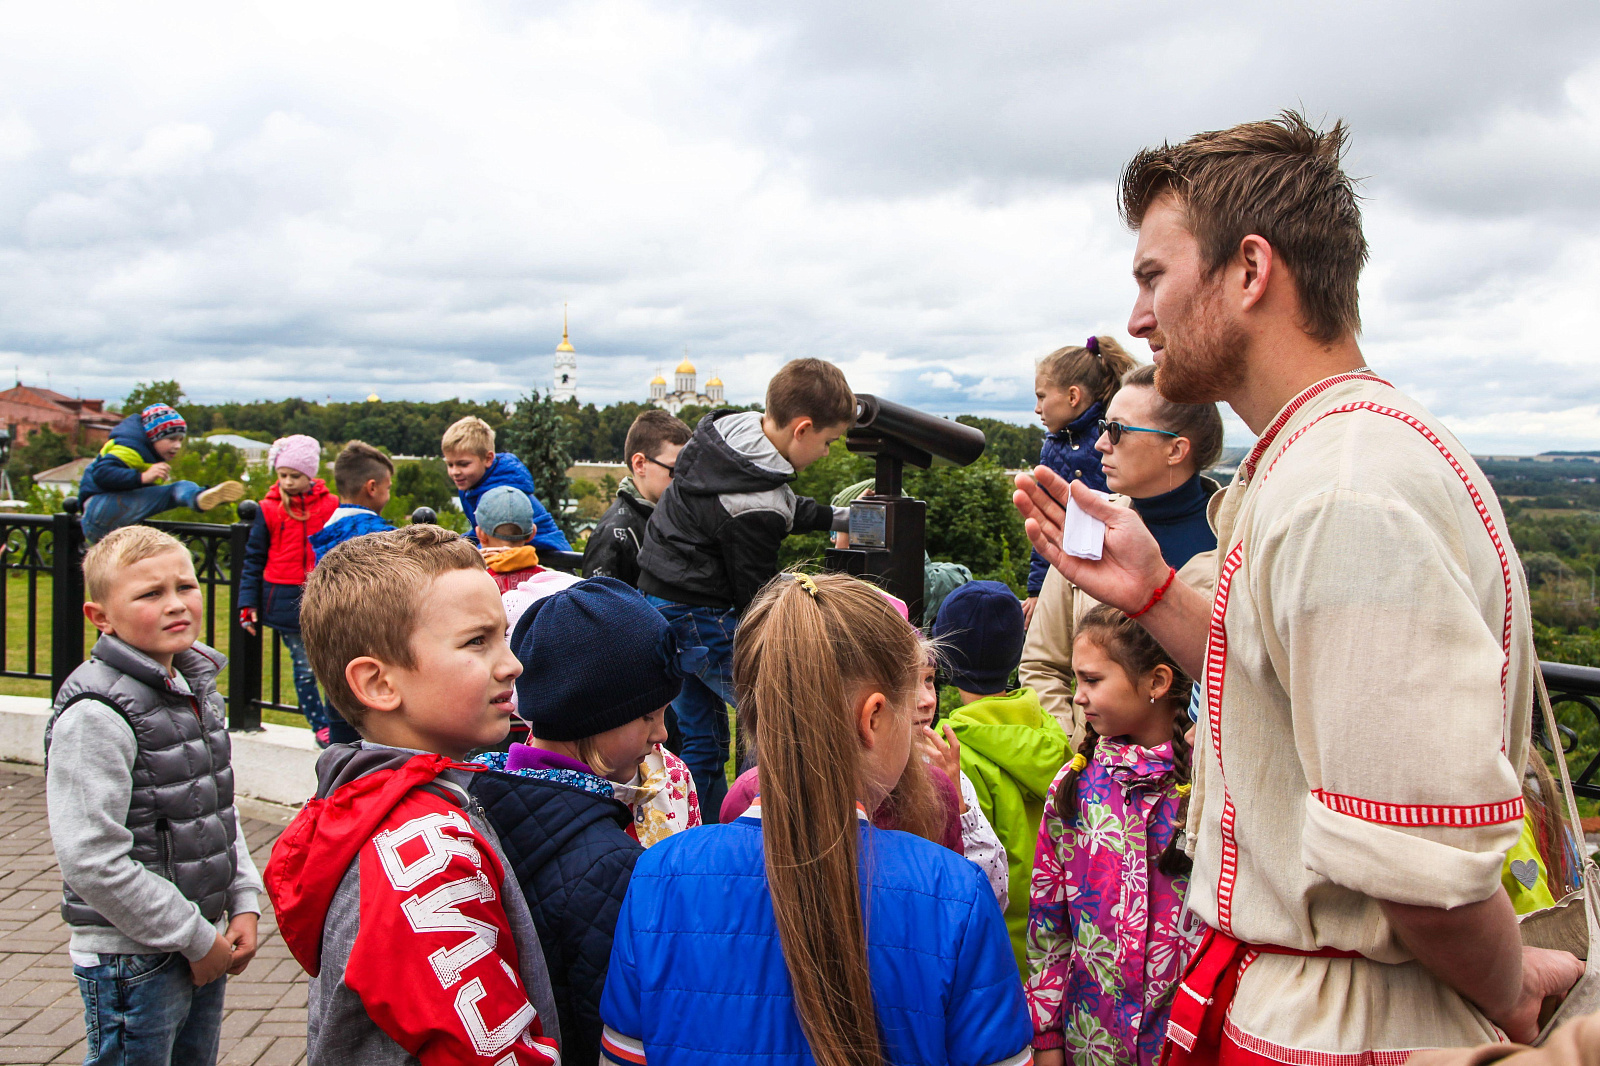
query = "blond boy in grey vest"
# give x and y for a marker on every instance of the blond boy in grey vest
(158, 889)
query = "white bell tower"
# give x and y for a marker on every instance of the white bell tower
(565, 385)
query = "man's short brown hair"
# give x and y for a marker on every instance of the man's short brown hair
(810, 388)
(652, 431)
(358, 464)
(119, 549)
(364, 597)
(1280, 180)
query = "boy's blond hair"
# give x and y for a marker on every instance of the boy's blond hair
(119, 549)
(470, 434)
(364, 596)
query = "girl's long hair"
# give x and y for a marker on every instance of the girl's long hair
(1097, 373)
(1131, 647)
(804, 650)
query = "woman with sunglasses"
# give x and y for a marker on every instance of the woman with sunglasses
(1152, 451)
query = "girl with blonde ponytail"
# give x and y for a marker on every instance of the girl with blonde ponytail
(799, 932)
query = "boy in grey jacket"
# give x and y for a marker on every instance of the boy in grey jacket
(158, 890)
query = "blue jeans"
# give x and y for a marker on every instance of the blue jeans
(113, 510)
(144, 1010)
(305, 682)
(702, 706)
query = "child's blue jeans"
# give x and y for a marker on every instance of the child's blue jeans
(144, 1010)
(318, 714)
(113, 510)
(702, 706)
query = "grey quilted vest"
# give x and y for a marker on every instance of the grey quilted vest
(181, 810)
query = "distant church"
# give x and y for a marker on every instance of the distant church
(685, 394)
(565, 386)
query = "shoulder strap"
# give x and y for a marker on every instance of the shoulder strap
(1591, 907)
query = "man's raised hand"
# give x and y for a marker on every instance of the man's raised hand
(1130, 567)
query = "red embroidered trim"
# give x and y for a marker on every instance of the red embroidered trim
(1421, 814)
(1248, 468)
(1155, 598)
(1483, 515)
(1252, 1045)
(1216, 672)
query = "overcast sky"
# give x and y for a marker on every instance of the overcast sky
(333, 198)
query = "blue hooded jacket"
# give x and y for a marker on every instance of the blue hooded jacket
(347, 523)
(1070, 452)
(507, 469)
(698, 976)
(117, 468)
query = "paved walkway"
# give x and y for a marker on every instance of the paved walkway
(41, 1013)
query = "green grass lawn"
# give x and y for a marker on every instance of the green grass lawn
(16, 646)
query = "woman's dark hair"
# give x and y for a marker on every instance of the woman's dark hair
(1201, 423)
(1130, 646)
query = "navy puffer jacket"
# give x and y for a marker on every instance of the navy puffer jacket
(573, 860)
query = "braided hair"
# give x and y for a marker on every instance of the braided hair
(1130, 646)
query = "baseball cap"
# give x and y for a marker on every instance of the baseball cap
(505, 505)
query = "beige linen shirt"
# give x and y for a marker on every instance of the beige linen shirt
(1368, 695)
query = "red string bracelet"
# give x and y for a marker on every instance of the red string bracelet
(1160, 592)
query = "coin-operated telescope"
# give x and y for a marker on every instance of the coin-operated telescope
(888, 529)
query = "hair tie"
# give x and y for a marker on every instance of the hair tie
(1183, 789)
(1077, 764)
(804, 581)
(1092, 345)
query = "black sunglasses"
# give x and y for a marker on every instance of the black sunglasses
(1115, 430)
(672, 470)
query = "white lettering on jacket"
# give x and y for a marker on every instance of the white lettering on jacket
(437, 912)
(428, 829)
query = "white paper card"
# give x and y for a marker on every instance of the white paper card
(1082, 536)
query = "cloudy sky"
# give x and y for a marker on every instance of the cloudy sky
(336, 198)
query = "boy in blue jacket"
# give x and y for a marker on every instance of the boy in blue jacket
(363, 476)
(126, 482)
(475, 468)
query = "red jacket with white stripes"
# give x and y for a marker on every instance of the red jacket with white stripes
(394, 897)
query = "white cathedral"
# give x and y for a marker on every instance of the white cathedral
(685, 393)
(564, 386)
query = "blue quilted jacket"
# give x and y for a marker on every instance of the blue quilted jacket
(1070, 452)
(563, 834)
(697, 971)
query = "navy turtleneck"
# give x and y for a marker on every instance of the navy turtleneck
(1177, 520)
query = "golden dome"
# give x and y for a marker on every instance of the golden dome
(686, 367)
(373, 398)
(565, 345)
(714, 383)
(658, 380)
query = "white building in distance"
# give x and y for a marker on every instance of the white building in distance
(685, 393)
(565, 385)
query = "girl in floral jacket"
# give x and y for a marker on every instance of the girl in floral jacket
(1107, 931)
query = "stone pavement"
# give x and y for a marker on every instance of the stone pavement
(41, 1013)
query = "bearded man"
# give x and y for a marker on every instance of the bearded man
(1367, 657)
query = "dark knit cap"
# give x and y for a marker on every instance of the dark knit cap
(980, 625)
(595, 656)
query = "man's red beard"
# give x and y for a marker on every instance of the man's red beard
(1203, 361)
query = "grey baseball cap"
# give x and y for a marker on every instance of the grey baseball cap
(505, 505)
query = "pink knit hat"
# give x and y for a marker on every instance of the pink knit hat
(297, 452)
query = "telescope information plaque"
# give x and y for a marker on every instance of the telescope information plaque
(869, 524)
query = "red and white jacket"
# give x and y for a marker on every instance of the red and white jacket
(391, 893)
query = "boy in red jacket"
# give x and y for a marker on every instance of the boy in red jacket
(390, 887)
(277, 559)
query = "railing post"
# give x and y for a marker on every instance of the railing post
(244, 648)
(66, 594)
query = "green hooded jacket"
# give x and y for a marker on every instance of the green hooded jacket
(1011, 750)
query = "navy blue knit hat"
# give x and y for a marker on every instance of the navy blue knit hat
(594, 656)
(980, 625)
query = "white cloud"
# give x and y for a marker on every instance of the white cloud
(296, 198)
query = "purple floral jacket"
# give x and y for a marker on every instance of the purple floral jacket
(1104, 944)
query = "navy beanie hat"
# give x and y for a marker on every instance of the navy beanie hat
(595, 656)
(980, 625)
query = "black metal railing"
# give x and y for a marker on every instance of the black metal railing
(1576, 687)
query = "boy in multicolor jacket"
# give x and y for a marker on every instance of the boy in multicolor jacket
(389, 886)
(127, 481)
